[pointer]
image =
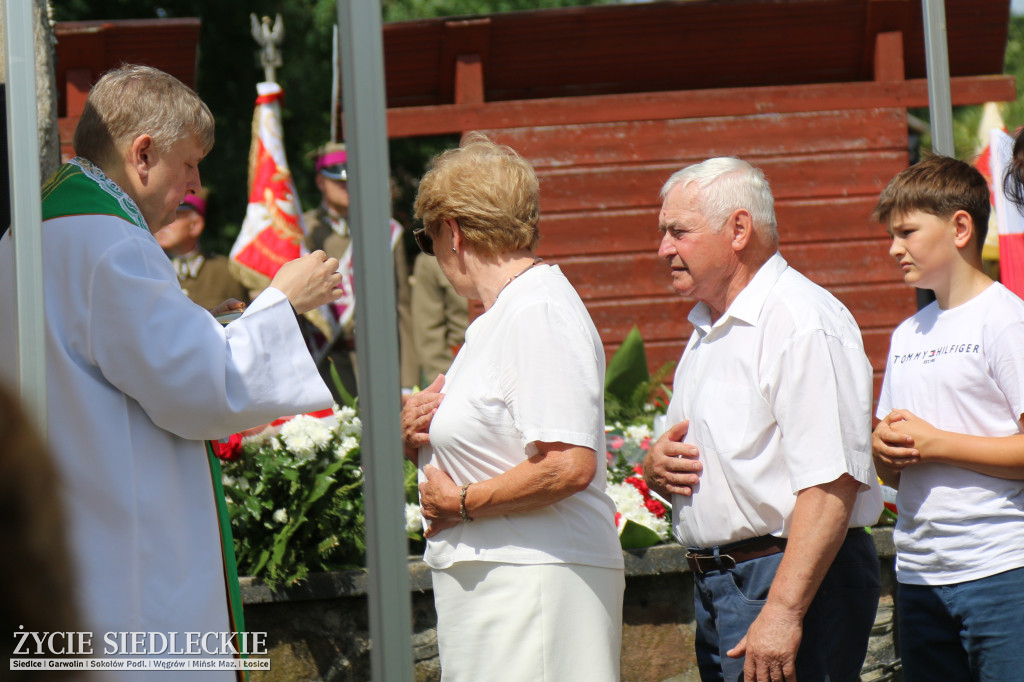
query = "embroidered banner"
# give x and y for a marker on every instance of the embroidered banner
(273, 230)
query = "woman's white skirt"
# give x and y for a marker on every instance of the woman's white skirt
(530, 622)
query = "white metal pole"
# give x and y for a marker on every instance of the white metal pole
(23, 164)
(362, 69)
(940, 103)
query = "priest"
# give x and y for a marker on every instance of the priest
(139, 376)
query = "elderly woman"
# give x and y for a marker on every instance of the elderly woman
(527, 568)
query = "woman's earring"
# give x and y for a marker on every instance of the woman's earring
(453, 250)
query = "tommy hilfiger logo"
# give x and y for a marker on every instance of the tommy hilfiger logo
(932, 355)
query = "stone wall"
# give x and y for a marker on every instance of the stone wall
(320, 630)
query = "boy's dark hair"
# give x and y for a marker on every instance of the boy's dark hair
(941, 186)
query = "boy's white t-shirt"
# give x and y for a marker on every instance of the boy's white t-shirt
(961, 370)
(531, 370)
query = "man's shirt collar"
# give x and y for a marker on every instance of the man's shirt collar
(747, 305)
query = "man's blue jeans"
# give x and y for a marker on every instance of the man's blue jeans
(967, 631)
(836, 627)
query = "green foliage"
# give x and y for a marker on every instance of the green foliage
(638, 536)
(967, 119)
(346, 398)
(296, 500)
(631, 394)
(404, 10)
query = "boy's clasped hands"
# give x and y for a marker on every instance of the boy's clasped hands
(899, 438)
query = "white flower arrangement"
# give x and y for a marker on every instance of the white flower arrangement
(295, 495)
(413, 519)
(630, 504)
(304, 435)
(637, 432)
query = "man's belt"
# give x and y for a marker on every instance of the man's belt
(703, 560)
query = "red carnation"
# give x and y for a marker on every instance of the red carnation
(655, 507)
(640, 485)
(229, 450)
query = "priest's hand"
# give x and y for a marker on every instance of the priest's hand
(309, 282)
(229, 306)
(417, 413)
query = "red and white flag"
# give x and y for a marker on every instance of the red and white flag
(991, 120)
(273, 230)
(1008, 215)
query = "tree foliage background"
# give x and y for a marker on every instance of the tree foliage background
(228, 70)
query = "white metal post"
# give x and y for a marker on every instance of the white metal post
(23, 164)
(940, 102)
(362, 70)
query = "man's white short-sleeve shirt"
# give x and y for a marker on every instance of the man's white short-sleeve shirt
(778, 393)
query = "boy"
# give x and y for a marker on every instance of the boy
(950, 437)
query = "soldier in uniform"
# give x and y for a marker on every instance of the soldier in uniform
(327, 228)
(204, 277)
(439, 317)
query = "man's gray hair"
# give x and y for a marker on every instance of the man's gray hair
(727, 184)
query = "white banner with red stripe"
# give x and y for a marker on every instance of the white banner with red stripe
(1011, 222)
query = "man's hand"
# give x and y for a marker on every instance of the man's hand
(892, 442)
(818, 529)
(439, 501)
(228, 306)
(770, 646)
(309, 282)
(417, 413)
(671, 466)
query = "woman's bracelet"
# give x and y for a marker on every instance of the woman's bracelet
(462, 503)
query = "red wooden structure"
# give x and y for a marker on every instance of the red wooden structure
(88, 49)
(608, 101)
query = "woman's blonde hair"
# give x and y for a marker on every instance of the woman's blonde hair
(491, 191)
(135, 100)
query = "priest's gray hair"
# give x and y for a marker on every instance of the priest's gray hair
(134, 100)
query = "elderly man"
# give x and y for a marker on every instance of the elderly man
(769, 459)
(139, 375)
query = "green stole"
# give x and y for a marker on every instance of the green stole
(227, 547)
(79, 187)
